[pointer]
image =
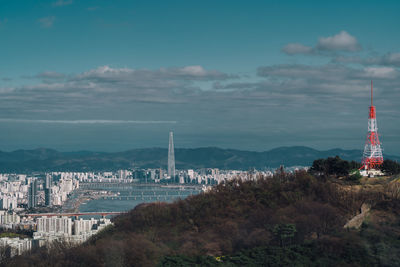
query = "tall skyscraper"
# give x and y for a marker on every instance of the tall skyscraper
(47, 196)
(171, 156)
(47, 189)
(49, 181)
(32, 194)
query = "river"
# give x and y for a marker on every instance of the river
(126, 197)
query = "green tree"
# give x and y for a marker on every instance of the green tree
(390, 167)
(284, 233)
(332, 166)
(355, 175)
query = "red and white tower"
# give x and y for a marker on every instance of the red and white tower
(372, 156)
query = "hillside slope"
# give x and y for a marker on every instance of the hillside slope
(287, 220)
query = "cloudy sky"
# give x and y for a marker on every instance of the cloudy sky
(115, 75)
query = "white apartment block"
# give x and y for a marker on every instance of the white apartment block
(82, 229)
(55, 225)
(18, 246)
(9, 218)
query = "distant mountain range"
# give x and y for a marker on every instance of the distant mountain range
(42, 159)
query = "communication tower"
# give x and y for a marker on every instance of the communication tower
(372, 156)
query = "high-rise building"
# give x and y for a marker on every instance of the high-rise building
(32, 194)
(8, 202)
(84, 226)
(47, 197)
(55, 225)
(47, 189)
(7, 217)
(122, 174)
(49, 181)
(171, 156)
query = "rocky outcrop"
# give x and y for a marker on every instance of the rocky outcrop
(357, 220)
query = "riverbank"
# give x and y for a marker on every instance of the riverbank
(80, 197)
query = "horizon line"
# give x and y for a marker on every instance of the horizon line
(88, 121)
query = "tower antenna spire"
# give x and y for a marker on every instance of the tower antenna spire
(371, 93)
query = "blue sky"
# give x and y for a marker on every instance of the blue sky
(115, 75)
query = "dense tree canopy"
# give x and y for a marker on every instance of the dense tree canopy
(390, 167)
(333, 166)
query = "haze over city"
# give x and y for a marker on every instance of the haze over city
(94, 75)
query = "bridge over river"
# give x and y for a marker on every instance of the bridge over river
(137, 186)
(145, 192)
(74, 214)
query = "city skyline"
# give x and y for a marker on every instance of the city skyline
(112, 77)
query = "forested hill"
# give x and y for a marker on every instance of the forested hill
(288, 220)
(186, 158)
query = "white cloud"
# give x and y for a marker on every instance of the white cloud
(193, 70)
(324, 72)
(342, 41)
(105, 71)
(394, 57)
(156, 93)
(106, 87)
(381, 72)
(127, 74)
(328, 79)
(389, 59)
